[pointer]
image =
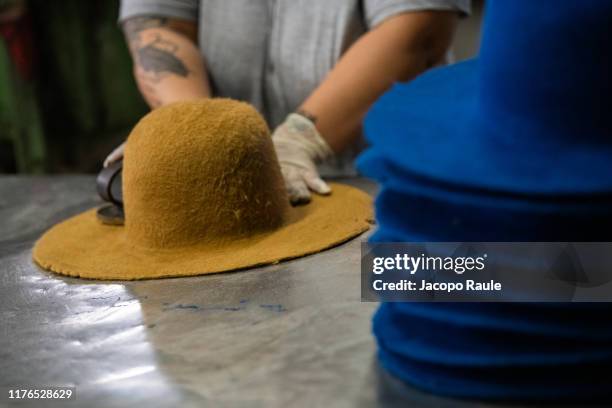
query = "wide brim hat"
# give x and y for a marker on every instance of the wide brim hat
(203, 193)
(529, 116)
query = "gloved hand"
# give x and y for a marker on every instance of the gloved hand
(115, 155)
(299, 146)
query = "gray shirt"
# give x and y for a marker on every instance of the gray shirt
(274, 53)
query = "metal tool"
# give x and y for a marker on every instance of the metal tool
(108, 184)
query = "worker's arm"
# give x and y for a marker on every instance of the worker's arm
(398, 49)
(168, 65)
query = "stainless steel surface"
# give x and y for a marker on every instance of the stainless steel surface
(288, 335)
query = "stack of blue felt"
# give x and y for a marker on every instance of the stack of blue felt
(524, 351)
(513, 146)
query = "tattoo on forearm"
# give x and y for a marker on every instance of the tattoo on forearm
(158, 57)
(307, 115)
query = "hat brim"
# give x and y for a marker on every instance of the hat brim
(433, 129)
(84, 247)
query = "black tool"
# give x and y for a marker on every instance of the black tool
(108, 184)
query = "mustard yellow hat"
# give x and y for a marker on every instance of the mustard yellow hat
(203, 193)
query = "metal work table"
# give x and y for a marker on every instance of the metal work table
(288, 335)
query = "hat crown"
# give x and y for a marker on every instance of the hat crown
(548, 64)
(201, 170)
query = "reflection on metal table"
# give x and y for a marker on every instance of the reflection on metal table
(293, 334)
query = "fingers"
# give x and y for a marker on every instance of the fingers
(115, 155)
(298, 193)
(299, 183)
(316, 184)
(297, 190)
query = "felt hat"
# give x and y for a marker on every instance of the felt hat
(202, 193)
(530, 114)
(512, 146)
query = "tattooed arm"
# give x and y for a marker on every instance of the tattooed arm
(168, 66)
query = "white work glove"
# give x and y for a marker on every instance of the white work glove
(115, 155)
(299, 146)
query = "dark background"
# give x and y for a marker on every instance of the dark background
(67, 94)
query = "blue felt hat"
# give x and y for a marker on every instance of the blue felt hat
(531, 114)
(515, 145)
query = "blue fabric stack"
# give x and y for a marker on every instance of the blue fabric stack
(515, 145)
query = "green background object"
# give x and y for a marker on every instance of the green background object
(83, 100)
(21, 133)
